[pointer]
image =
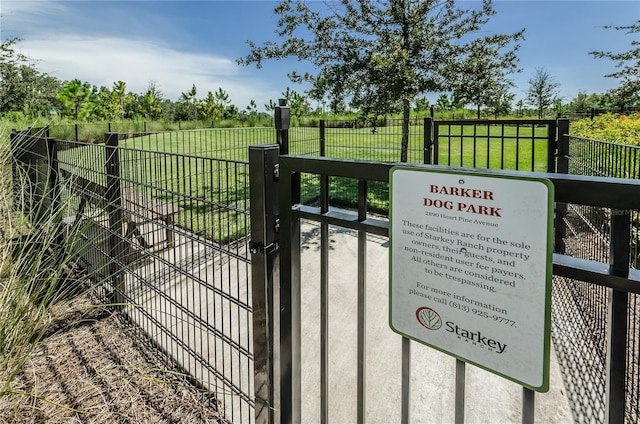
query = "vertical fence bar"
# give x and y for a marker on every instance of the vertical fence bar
(561, 167)
(555, 134)
(323, 147)
(528, 406)
(362, 297)
(324, 288)
(459, 387)
(427, 124)
(618, 318)
(113, 197)
(406, 381)
(264, 279)
(54, 185)
(290, 386)
(436, 142)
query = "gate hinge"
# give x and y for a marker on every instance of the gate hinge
(276, 172)
(260, 248)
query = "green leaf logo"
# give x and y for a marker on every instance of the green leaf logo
(429, 318)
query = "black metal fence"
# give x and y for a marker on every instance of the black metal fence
(94, 131)
(493, 144)
(593, 112)
(588, 274)
(164, 227)
(166, 218)
(583, 309)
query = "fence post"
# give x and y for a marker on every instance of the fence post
(428, 122)
(282, 118)
(113, 197)
(265, 280)
(436, 135)
(561, 167)
(323, 151)
(617, 318)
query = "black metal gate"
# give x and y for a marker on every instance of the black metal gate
(280, 179)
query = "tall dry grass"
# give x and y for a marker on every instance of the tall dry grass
(35, 282)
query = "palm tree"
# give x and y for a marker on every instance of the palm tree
(74, 94)
(120, 92)
(190, 97)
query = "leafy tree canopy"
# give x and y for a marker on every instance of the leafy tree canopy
(375, 53)
(543, 91)
(628, 65)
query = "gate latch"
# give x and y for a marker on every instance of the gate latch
(260, 248)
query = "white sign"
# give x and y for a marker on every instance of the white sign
(471, 264)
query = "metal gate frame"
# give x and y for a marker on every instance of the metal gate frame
(278, 288)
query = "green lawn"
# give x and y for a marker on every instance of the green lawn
(206, 173)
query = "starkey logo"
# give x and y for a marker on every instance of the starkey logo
(431, 320)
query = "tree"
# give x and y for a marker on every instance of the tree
(628, 64)
(483, 69)
(211, 107)
(22, 87)
(500, 101)
(297, 103)
(520, 108)
(271, 106)
(580, 103)
(422, 104)
(151, 102)
(374, 53)
(443, 102)
(189, 97)
(252, 108)
(121, 97)
(543, 90)
(74, 95)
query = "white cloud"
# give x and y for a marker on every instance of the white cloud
(103, 60)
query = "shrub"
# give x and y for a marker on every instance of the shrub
(608, 127)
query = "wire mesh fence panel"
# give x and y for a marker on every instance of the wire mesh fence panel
(304, 141)
(188, 221)
(584, 309)
(176, 260)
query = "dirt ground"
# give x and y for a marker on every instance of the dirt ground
(93, 368)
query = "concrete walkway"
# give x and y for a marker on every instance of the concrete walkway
(489, 399)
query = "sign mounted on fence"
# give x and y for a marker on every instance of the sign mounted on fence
(471, 266)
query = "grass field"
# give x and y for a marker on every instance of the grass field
(206, 172)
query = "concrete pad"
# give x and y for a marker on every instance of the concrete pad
(489, 398)
(207, 314)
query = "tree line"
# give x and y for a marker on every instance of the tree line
(27, 91)
(371, 58)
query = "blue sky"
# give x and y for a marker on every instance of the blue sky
(180, 43)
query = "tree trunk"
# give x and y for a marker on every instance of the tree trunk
(406, 111)
(478, 111)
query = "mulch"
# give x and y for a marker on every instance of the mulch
(91, 367)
